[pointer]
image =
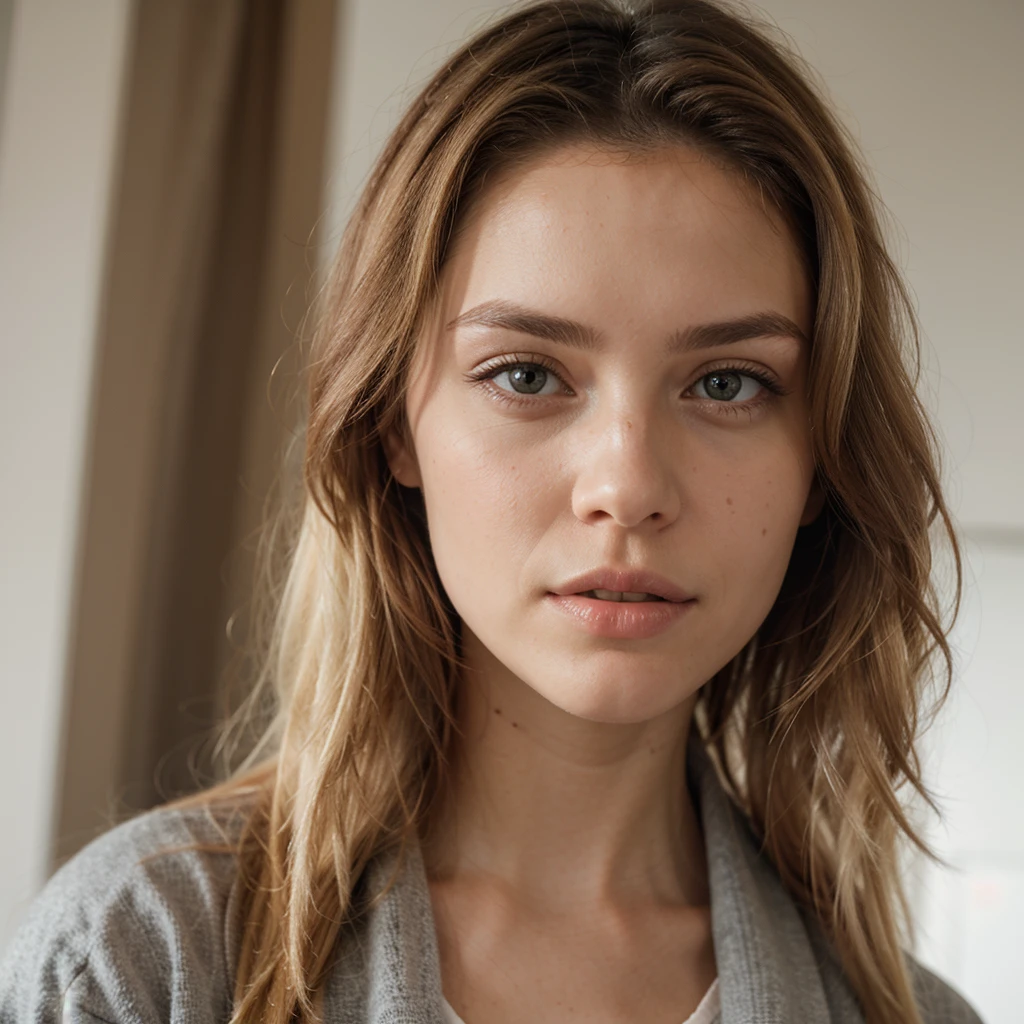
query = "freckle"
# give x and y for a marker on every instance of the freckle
(728, 501)
(497, 711)
(515, 725)
(764, 531)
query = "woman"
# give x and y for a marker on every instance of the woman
(600, 658)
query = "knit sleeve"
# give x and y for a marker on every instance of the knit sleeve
(137, 928)
(938, 1001)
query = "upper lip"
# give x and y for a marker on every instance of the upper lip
(633, 581)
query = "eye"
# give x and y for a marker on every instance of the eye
(728, 386)
(526, 379)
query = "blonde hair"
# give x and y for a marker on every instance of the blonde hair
(813, 725)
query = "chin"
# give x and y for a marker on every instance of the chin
(615, 699)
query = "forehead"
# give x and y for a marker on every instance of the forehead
(630, 238)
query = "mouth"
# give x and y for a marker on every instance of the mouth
(621, 604)
(623, 586)
(620, 614)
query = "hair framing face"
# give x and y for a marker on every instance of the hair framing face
(812, 725)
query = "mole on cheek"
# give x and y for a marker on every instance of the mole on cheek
(728, 501)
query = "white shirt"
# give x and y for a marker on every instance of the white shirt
(706, 1012)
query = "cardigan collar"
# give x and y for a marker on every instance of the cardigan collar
(774, 966)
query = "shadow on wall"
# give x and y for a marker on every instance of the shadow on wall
(6, 16)
(209, 272)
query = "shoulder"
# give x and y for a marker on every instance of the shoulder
(937, 1000)
(138, 926)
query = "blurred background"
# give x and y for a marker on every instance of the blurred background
(174, 174)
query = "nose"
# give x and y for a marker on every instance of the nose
(627, 474)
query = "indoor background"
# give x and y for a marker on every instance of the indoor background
(173, 176)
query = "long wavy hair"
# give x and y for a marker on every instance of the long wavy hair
(813, 725)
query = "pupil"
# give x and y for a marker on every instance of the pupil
(528, 380)
(723, 385)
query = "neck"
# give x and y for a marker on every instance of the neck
(564, 811)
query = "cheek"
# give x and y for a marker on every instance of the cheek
(751, 515)
(489, 501)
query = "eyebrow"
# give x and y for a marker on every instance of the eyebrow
(510, 316)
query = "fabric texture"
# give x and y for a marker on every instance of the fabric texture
(138, 929)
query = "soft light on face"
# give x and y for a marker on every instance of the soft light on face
(622, 392)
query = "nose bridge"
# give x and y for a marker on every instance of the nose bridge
(628, 431)
(628, 472)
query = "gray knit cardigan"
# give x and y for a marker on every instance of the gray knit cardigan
(123, 937)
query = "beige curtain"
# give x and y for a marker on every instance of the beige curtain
(209, 270)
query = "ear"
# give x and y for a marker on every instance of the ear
(401, 457)
(815, 502)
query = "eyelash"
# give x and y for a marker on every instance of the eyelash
(487, 373)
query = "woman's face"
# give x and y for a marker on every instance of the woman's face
(609, 426)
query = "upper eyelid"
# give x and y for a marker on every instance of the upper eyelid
(491, 368)
(516, 359)
(738, 365)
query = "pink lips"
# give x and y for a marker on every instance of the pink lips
(623, 620)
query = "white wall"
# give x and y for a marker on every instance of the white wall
(932, 89)
(971, 913)
(385, 49)
(61, 104)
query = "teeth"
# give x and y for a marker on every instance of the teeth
(618, 595)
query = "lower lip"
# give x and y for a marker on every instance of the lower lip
(621, 620)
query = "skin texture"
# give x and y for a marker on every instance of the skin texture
(568, 874)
